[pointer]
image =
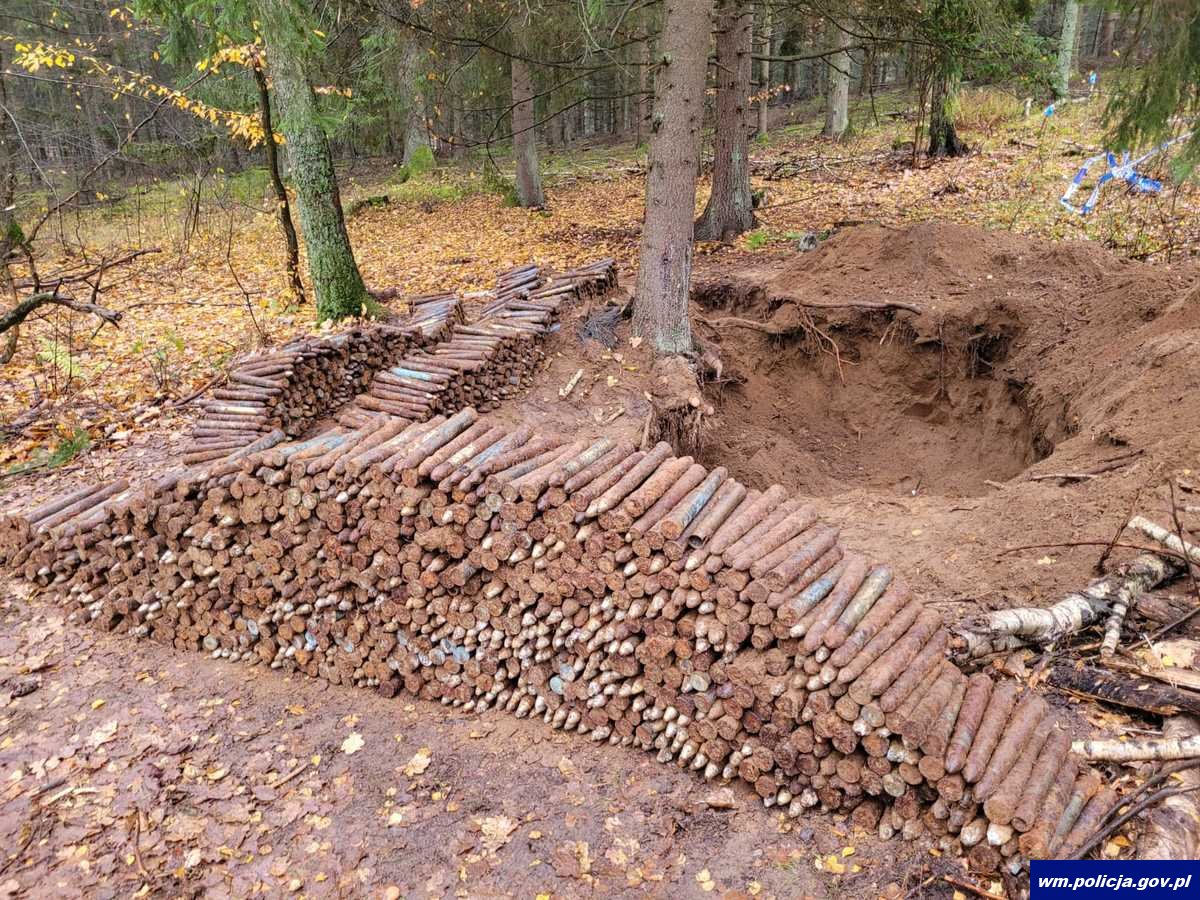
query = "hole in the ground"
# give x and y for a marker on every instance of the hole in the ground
(867, 405)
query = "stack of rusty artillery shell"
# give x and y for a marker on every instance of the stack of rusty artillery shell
(485, 362)
(638, 598)
(305, 380)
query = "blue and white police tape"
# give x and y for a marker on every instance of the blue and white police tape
(1124, 170)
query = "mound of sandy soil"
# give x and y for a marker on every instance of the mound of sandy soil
(930, 433)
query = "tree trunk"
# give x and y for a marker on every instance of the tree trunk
(529, 179)
(1066, 48)
(416, 132)
(334, 274)
(837, 110)
(660, 311)
(943, 99)
(1108, 30)
(730, 209)
(281, 197)
(764, 74)
(642, 103)
(10, 234)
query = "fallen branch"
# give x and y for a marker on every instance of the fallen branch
(1164, 794)
(62, 277)
(1128, 690)
(1166, 538)
(1171, 827)
(1073, 613)
(33, 302)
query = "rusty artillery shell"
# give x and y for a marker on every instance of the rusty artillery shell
(1052, 761)
(686, 510)
(467, 452)
(848, 638)
(979, 689)
(670, 499)
(938, 736)
(917, 724)
(755, 548)
(1035, 842)
(628, 482)
(1002, 802)
(749, 514)
(1030, 710)
(724, 503)
(849, 665)
(447, 450)
(594, 451)
(1081, 792)
(792, 610)
(864, 595)
(601, 466)
(852, 575)
(1089, 819)
(886, 670)
(795, 557)
(999, 705)
(929, 656)
(647, 494)
(475, 469)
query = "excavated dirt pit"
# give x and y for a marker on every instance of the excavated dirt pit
(938, 361)
(865, 405)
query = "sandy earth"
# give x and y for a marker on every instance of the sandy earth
(126, 769)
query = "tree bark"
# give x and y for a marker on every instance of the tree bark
(529, 179)
(416, 132)
(1128, 690)
(837, 110)
(1066, 48)
(730, 209)
(660, 311)
(281, 196)
(336, 281)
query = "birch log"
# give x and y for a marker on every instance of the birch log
(1168, 539)
(1173, 827)
(1073, 613)
(1167, 748)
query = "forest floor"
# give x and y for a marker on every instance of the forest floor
(933, 438)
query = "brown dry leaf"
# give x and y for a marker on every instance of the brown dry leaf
(567, 768)
(419, 763)
(496, 831)
(103, 734)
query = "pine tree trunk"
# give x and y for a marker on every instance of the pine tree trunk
(291, 242)
(334, 274)
(730, 209)
(660, 311)
(764, 74)
(529, 179)
(1066, 48)
(837, 110)
(416, 132)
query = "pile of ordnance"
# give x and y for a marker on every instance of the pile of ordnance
(631, 596)
(296, 385)
(487, 361)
